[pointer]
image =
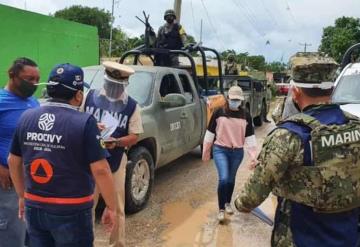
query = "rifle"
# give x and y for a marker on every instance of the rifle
(150, 35)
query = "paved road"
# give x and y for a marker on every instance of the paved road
(183, 206)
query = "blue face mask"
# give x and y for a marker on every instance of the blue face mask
(234, 104)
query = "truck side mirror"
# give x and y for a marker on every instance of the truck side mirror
(173, 100)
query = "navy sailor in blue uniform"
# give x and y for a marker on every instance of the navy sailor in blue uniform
(56, 154)
(113, 101)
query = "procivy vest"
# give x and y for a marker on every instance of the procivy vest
(57, 177)
(123, 117)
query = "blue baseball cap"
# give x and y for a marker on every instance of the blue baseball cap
(67, 75)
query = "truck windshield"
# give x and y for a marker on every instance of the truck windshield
(348, 90)
(140, 84)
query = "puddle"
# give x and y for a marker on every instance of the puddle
(198, 227)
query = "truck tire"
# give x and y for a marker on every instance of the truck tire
(259, 119)
(139, 179)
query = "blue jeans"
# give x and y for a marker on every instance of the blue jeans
(12, 229)
(48, 229)
(227, 162)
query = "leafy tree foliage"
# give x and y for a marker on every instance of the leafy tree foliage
(276, 67)
(90, 16)
(253, 62)
(338, 38)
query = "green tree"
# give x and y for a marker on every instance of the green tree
(90, 16)
(338, 38)
(257, 62)
(276, 67)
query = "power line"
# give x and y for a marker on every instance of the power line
(193, 16)
(269, 12)
(248, 17)
(212, 25)
(252, 14)
(290, 12)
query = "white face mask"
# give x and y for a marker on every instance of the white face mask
(234, 104)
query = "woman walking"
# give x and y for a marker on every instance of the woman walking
(229, 131)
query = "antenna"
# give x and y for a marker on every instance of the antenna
(201, 30)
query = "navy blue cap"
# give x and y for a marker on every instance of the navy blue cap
(67, 75)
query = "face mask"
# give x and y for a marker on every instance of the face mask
(170, 20)
(113, 91)
(26, 88)
(234, 104)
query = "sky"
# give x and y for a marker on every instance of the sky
(273, 28)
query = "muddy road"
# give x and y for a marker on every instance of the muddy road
(183, 207)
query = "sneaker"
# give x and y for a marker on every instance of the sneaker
(228, 208)
(221, 216)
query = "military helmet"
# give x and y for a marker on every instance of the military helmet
(169, 12)
(312, 70)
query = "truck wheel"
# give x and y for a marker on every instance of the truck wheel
(139, 179)
(259, 119)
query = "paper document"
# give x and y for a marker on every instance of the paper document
(110, 123)
(262, 216)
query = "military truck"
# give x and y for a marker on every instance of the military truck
(174, 114)
(174, 121)
(254, 93)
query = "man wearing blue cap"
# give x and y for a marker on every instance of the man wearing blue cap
(59, 150)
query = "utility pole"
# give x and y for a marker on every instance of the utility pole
(177, 9)
(111, 27)
(305, 45)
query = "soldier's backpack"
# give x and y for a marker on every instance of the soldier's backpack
(331, 182)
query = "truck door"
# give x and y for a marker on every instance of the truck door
(192, 116)
(170, 122)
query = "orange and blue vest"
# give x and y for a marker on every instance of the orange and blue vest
(57, 173)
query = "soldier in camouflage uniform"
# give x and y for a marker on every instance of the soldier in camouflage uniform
(170, 36)
(231, 66)
(312, 163)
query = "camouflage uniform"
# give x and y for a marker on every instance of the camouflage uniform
(285, 152)
(281, 151)
(170, 36)
(231, 66)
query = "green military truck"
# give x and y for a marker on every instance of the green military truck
(254, 93)
(174, 121)
(174, 113)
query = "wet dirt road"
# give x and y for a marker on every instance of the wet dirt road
(183, 207)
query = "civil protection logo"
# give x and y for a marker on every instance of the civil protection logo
(46, 121)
